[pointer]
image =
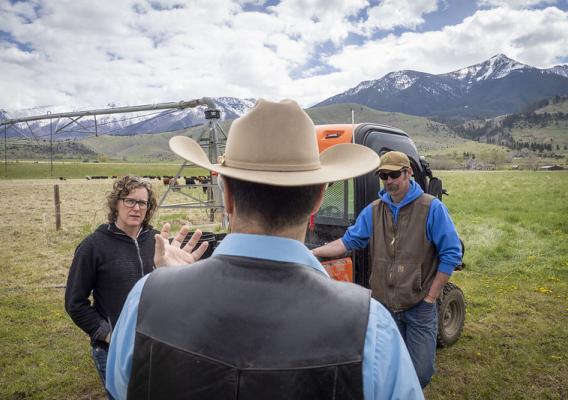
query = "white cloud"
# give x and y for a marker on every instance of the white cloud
(390, 14)
(317, 21)
(129, 52)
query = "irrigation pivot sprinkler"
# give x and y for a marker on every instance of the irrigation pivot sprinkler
(213, 138)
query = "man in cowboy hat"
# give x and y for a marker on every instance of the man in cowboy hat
(260, 319)
(414, 250)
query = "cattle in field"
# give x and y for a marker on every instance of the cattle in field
(204, 180)
(169, 180)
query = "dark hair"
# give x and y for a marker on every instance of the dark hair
(275, 207)
(122, 188)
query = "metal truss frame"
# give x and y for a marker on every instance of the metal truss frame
(213, 138)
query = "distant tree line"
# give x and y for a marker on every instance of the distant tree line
(42, 150)
(545, 102)
(498, 131)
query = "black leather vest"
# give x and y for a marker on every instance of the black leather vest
(244, 328)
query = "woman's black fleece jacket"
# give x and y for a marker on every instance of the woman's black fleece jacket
(107, 264)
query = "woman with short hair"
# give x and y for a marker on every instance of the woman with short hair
(108, 263)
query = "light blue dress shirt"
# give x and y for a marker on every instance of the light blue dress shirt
(388, 372)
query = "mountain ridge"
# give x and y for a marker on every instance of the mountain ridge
(499, 85)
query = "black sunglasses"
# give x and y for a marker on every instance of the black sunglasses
(393, 174)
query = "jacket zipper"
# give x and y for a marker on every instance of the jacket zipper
(395, 261)
(137, 249)
(139, 258)
(111, 327)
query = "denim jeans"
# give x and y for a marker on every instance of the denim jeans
(418, 327)
(100, 355)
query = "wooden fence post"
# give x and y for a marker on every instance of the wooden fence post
(57, 207)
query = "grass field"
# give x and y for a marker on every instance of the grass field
(514, 344)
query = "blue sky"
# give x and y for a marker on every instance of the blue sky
(67, 55)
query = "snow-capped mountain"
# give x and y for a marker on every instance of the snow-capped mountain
(124, 124)
(559, 70)
(496, 67)
(494, 87)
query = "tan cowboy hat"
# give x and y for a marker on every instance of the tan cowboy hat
(275, 144)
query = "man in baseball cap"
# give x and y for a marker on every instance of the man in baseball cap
(414, 249)
(260, 319)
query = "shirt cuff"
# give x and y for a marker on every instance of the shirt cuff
(346, 244)
(447, 269)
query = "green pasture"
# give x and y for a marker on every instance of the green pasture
(74, 169)
(515, 341)
(514, 344)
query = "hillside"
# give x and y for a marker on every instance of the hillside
(557, 104)
(150, 147)
(542, 128)
(430, 137)
(427, 134)
(20, 149)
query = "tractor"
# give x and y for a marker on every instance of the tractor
(344, 200)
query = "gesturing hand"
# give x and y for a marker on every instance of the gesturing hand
(167, 253)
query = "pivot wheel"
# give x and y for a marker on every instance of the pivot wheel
(451, 315)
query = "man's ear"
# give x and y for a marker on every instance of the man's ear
(319, 200)
(228, 199)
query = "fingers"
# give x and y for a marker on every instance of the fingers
(197, 254)
(178, 240)
(159, 250)
(192, 242)
(165, 232)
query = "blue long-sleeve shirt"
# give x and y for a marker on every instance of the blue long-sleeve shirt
(388, 372)
(440, 229)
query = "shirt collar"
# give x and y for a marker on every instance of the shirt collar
(273, 248)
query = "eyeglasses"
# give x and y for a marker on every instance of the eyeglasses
(130, 203)
(393, 174)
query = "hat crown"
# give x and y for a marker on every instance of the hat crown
(394, 160)
(276, 144)
(273, 137)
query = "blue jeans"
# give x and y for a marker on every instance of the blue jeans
(100, 355)
(418, 327)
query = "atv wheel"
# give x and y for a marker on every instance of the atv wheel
(435, 187)
(451, 315)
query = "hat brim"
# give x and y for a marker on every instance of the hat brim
(390, 167)
(339, 162)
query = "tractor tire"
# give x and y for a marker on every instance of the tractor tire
(451, 315)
